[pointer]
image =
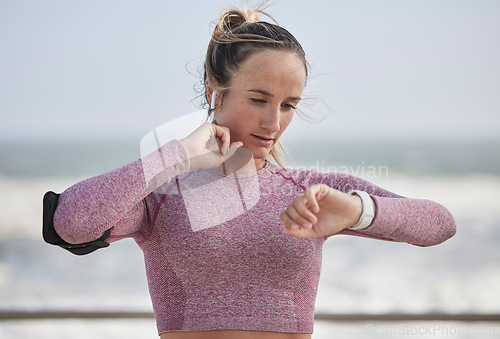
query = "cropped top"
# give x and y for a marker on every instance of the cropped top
(215, 254)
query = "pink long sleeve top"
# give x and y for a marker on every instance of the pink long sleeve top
(218, 258)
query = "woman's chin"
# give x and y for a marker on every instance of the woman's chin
(260, 152)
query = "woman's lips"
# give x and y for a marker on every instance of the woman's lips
(261, 140)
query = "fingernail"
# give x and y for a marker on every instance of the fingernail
(226, 150)
(307, 225)
(294, 226)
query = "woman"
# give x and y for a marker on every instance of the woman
(252, 273)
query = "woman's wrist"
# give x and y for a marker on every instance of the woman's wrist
(356, 211)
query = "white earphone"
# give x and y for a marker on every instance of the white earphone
(212, 104)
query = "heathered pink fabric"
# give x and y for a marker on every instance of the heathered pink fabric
(245, 273)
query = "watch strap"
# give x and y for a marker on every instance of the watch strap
(368, 212)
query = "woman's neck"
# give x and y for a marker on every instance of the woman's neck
(260, 163)
(242, 162)
(243, 166)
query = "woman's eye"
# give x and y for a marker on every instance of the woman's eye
(259, 101)
(288, 106)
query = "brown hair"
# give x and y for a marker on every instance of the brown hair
(237, 35)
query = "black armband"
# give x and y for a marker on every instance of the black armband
(50, 235)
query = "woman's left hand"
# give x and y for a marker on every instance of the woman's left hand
(321, 211)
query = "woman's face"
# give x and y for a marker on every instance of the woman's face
(261, 100)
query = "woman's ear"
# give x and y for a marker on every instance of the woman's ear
(208, 91)
(212, 94)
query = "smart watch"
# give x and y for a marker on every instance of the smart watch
(368, 210)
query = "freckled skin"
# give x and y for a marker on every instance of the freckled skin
(261, 100)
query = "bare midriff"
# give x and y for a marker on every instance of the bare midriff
(233, 334)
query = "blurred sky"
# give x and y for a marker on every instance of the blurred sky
(387, 69)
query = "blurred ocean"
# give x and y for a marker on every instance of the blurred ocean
(359, 275)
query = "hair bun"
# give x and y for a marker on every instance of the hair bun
(232, 18)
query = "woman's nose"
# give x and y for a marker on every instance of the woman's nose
(271, 120)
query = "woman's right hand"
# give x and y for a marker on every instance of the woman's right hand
(209, 146)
